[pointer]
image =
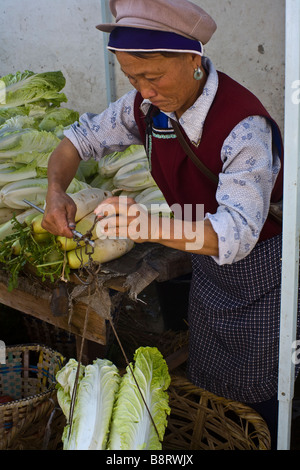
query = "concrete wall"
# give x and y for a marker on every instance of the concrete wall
(42, 35)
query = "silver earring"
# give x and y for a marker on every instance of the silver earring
(198, 74)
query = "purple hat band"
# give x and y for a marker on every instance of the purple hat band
(129, 39)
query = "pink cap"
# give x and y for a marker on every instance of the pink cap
(178, 16)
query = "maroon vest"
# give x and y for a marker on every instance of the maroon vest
(177, 176)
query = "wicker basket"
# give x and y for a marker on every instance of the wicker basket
(200, 420)
(41, 332)
(29, 378)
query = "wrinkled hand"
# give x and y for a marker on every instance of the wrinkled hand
(59, 217)
(122, 217)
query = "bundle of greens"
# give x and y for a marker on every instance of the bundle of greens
(32, 124)
(114, 412)
(23, 240)
(21, 247)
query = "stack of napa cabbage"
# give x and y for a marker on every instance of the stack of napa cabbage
(109, 411)
(127, 173)
(32, 122)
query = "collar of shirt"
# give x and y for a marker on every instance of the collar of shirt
(193, 119)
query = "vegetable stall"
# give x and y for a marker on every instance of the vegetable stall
(77, 286)
(69, 283)
(39, 272)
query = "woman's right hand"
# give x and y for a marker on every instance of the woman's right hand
(59, 216)
(60, 208)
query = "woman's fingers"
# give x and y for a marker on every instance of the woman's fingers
(123, 217)
(59, 215)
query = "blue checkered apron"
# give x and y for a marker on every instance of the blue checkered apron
(234, 324)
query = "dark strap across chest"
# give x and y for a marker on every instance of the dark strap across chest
(173, 170)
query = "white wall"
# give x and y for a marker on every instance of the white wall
(249, 45)
(42, 35)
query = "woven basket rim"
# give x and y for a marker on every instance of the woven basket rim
(181, 388)
(238, 406)
(26, 400)
(36, 397)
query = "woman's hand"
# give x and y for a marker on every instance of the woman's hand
(122, 217)
(59, 217)
(60, 208)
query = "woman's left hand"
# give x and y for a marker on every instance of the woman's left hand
(122, 217)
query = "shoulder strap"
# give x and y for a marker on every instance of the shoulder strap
(191, 154)
(275, 212)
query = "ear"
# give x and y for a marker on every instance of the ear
(196, 60)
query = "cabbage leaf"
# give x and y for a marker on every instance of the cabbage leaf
(23, 141)
(109, 411)
(28, 87)
(65, 379)
(33, 189)
(132, 427)
(93, 406)
(8, 113)
(110, 164)
(58, 117)
(18, 122)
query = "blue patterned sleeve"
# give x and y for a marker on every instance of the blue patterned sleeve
(115, 129)
(250, 167)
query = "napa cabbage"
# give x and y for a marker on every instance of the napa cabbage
(33, 189)
(109, 411)
(10, 172)
(8, 113)
(65, 378)
(134, 176)
(110, 164)
(132, 426)
(93, 406)
(27, 87)
(58, 117)
(16, 123)
(23, 141)
(87, 170)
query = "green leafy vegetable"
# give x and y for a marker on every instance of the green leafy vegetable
(133, 176)
(8, 228)
(8, 113)
(110, 164)
(109, 412)
(16, 123)
(100, 182)
(46, 258)
(33, 189)
(16, 173)
(28, 87)
(93, 408)
(65, 383)
(58, 117)
(132, 427)
(26, 141)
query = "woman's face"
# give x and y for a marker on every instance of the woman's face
(167, 82)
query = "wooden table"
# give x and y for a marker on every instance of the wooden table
(128, 275)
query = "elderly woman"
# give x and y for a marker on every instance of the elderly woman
(234, 306)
